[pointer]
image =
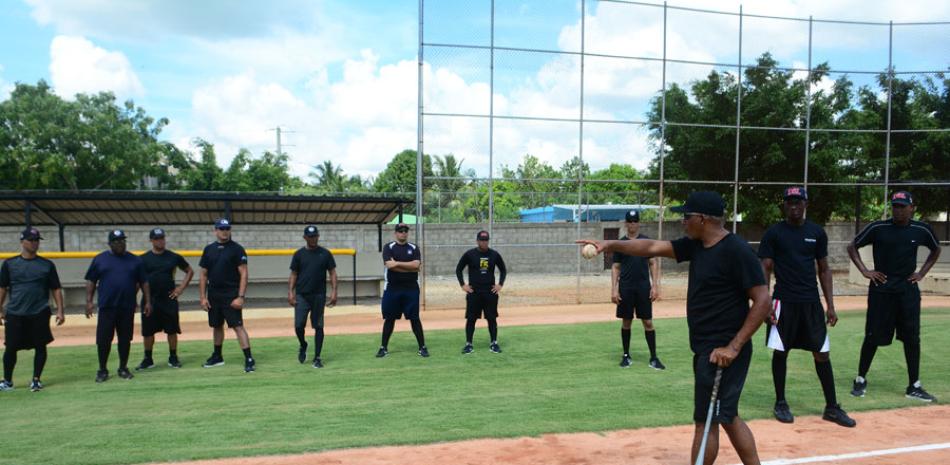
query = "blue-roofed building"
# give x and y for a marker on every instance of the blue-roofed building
(563, 213)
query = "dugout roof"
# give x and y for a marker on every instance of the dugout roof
(124, 208)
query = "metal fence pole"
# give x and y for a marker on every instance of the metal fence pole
(661, 199)
(580, 148)
(808, 106)
(354, 278)
(420, 228)
(735, 188)
(491, 126)
(890, 92)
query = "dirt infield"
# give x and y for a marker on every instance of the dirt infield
(808, 437)
(276, 322)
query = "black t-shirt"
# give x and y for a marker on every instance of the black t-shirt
(717, 301)
(28, 282)
(311, 267)
(634, 271)
(222, 261)
(481, 268)
(794, 250)
(401, 253)
(117, 277)
(160, 269)
(895, 250)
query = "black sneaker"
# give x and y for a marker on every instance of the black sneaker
(249, 365)
(468, 349)
(302, 353)
(783, 413)
(124, 373)
(918, 393)
(835, 414)
(625, 362)
(6, 386)
(214, 361)
(36, 385)
(382, 352)
(317, 363)
(102, 376)
(859, 388)
(423, 352)
(494, 348)
(173, 361)
(656, 364)
(145, 365)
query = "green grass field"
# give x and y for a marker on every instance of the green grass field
(550, 379)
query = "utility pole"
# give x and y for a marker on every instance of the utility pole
(280, 146)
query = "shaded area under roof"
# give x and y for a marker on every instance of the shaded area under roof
(171, 208)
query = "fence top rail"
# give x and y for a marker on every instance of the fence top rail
(184, 253)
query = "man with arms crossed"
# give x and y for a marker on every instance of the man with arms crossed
(402, 260)
(28, 279)
(724, 274)
(307, 291)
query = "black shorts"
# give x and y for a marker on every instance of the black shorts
(888, 312)
(222, 312)
(312, 305)
(730, 387)
(25, 332)
(399, 302)
(800, 326)
(635, 302)
(164, 317)
(114, 321)
(481, 302)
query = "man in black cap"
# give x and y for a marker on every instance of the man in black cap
(118, 274)
(307, 291)
(160, 266)
(631, 291)
(221, 287)
(28, 279)
(402, 260)
(724, 274)
(481, 292)
(893, 295)
(792, 248)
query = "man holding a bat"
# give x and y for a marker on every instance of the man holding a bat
(724, 275)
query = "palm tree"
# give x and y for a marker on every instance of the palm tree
(329, 178)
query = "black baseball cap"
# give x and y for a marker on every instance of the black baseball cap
(796, 192)
(116, 235)
(222, 223)
(703, 202)
(902, 198)
(402, 227)
(30, 234)
(632, 216)
(311, 231)
(156, 233)
(481, 236)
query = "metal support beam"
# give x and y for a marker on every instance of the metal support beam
(379, 237)
(62, 237)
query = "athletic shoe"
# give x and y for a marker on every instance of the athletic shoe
(124, 373)
(173, 361)
(835, 414)
(145, 365)
(249, 365)
(214, 361)
(468, 349)
(382, 352)
(783, 413)
(317, 363)
(860, 388)
(102, 376)
(302, 354)
(656, 364)
(36, 385)
(6, 386)
(494, 348)
(918, 393)
(423, 352)
(625, 362)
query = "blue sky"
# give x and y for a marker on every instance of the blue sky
(342, 74)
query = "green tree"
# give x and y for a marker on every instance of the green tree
(90, 143)
(205, 174)
(399, 176)
(268, 173)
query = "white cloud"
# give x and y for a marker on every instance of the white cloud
(77, 65)
(5, 87)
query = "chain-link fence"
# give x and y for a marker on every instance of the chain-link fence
(547, 100)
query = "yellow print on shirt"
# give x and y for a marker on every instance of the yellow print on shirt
(483, 263)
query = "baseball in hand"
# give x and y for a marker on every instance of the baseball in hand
(589, 251)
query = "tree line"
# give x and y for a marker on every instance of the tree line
(95, 142)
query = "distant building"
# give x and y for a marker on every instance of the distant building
(586, 213)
